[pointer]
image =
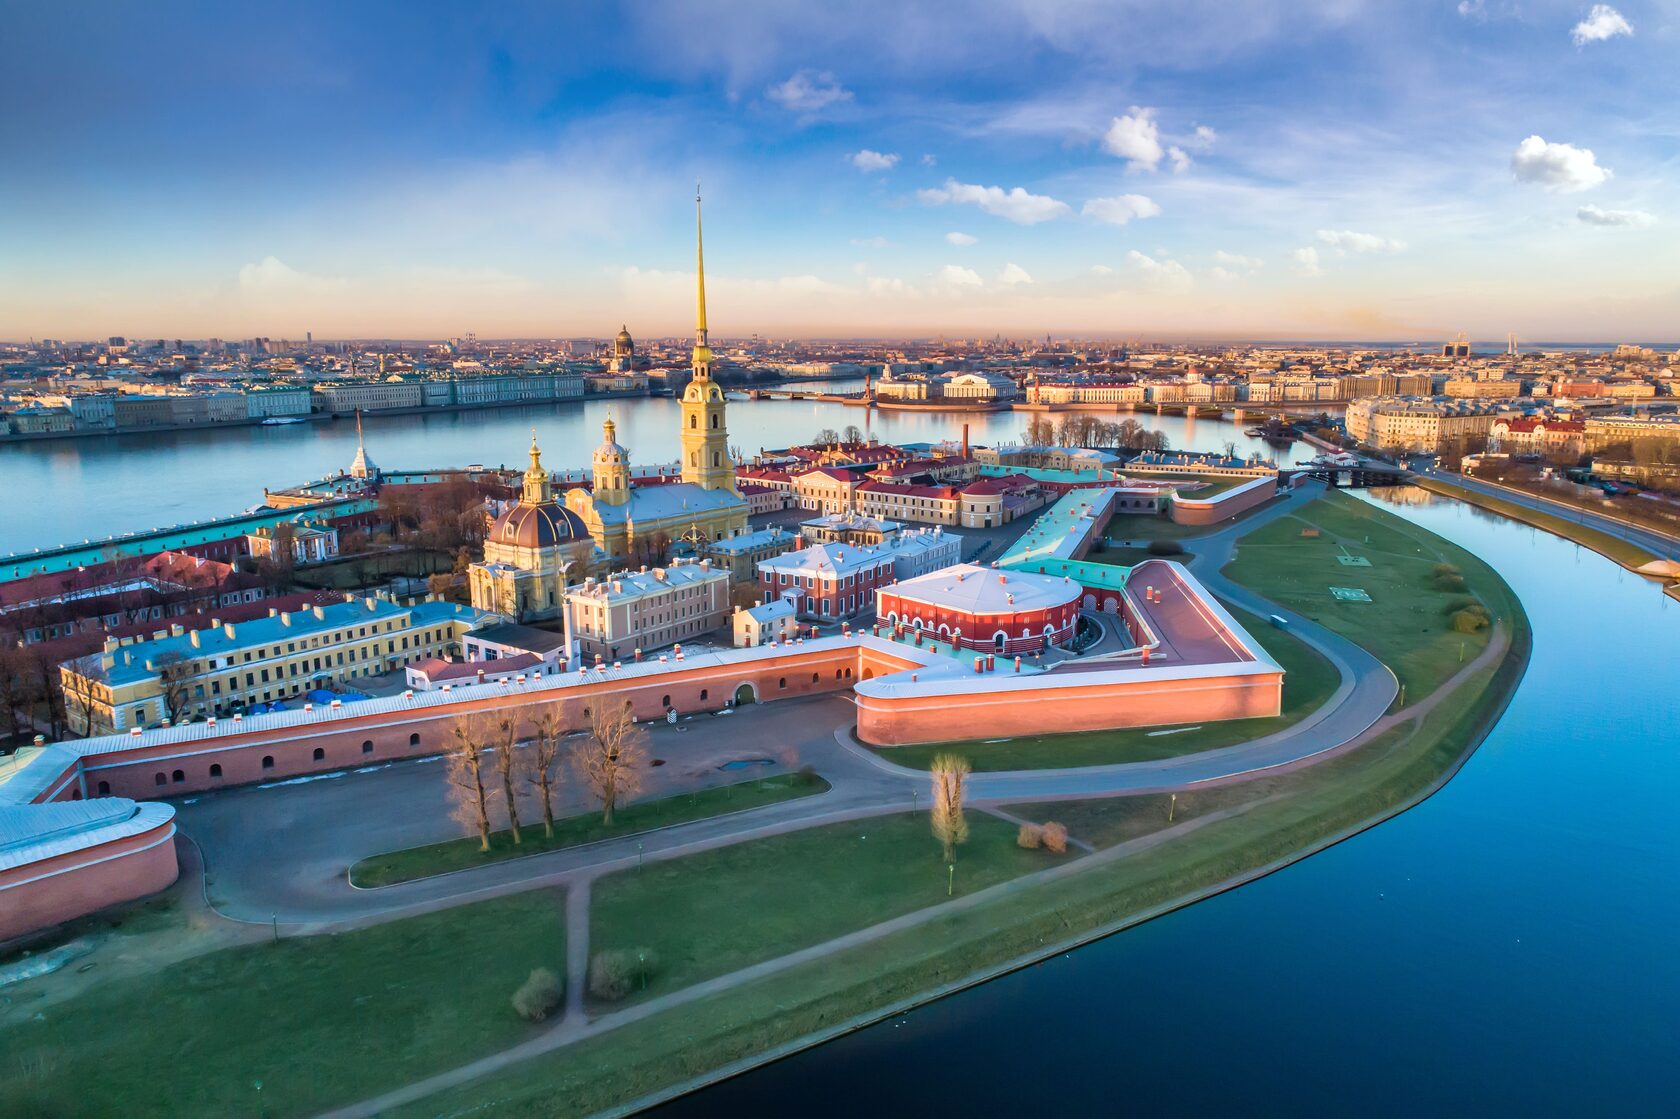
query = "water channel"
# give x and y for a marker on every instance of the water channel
(66, 491)
(1507, 947)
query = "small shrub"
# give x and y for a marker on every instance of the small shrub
(1468, 621)
(1029, 837)
(614, 974)
(1450, 583)
(1165, 548)
(1055, 838)
(539, 995)
(1441, 569)
(807, 775)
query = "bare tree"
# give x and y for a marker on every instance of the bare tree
(509, 765)
(612, 758)
(1040, 431)
(77, 683)
(174, 681)
(950, 785)
(825, 437)
(543, 772)
(469, 803)
(852, 434)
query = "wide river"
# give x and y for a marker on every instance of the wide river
(1507, 947)
(66, 491)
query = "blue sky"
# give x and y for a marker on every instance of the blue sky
(1331, 169)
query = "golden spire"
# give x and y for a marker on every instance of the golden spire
(700, 275)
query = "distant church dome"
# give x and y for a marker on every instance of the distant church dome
(624, 345)
(610, 451)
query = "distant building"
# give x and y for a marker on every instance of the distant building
(645, 610)
(985, 610)
(768, 621)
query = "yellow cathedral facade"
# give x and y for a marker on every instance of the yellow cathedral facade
(626, 523)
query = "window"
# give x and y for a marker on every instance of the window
(104, 788)
(414, 740)
(178, 777)
(782, 683)
(162, 780)
(268, 761)
(215, 770)
(664, 701)
(703, 694)
(816, 677)
(367, 746)
(320, 754)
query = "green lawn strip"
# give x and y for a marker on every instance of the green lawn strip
(1625, 553)
(1406, 625)
(1300, 812)
(1308, 681)
(752, 901)
(572, 831)
(318, 1020)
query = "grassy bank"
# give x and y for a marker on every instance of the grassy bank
(1288, 817)
(754, 901)
(1308, 681)
(1629, 555)
(572, 831)
(1407, 624)
(316, 1020)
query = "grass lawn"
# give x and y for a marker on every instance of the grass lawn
(1624, 553)
(318, 1020)
(720, 910)
(1308, 681)
(1289, 815)
(460, 854)
(1406, 624)
(1140, 529)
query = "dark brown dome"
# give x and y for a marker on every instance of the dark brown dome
(538, 526)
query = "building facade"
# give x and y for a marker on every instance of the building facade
(620, 616)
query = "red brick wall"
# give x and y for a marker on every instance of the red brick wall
(47, 893)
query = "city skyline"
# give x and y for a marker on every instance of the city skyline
(1335, 171)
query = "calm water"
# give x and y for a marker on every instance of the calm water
(1506, 948)
(69, 491)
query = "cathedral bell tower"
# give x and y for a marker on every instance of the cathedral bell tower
(705, 438)
(612, 468)
(538, 488)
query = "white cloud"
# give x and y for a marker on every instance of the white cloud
(1121, 209)
(809, 91)
(1237, 260)
(1162, 275)
(1223, 275)
(961, 240)
(1180, 160)
(1602, 22)
(929, 159)
(890, 287)
(1013, 274)
(275, 277)
(1559, 167)
(1101, 270)
(955, 275)
(1015, 205)
(1135, 138)
(1472, 9)
(1346, 240)
(1203, 137)
(1306, 261)
(1636, 219)
(876, 242)
(867, 160)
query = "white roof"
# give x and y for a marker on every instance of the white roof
(825, 559)
(770, 611)
(978, 590)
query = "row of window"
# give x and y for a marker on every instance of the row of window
(179, 776)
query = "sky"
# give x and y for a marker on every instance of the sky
(1331, 169)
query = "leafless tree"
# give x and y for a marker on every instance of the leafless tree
(174, 681)
(950, 786)
(825, 437)
(548, 727)
(852, 434)
(1040, 431)
(612, 758)
(78, 681)
(509, 765)
(468, 800)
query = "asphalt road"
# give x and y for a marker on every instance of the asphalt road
(1654, 542)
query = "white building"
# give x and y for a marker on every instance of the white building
(614, 617)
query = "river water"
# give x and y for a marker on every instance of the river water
(67, 491)
(1508, 947)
